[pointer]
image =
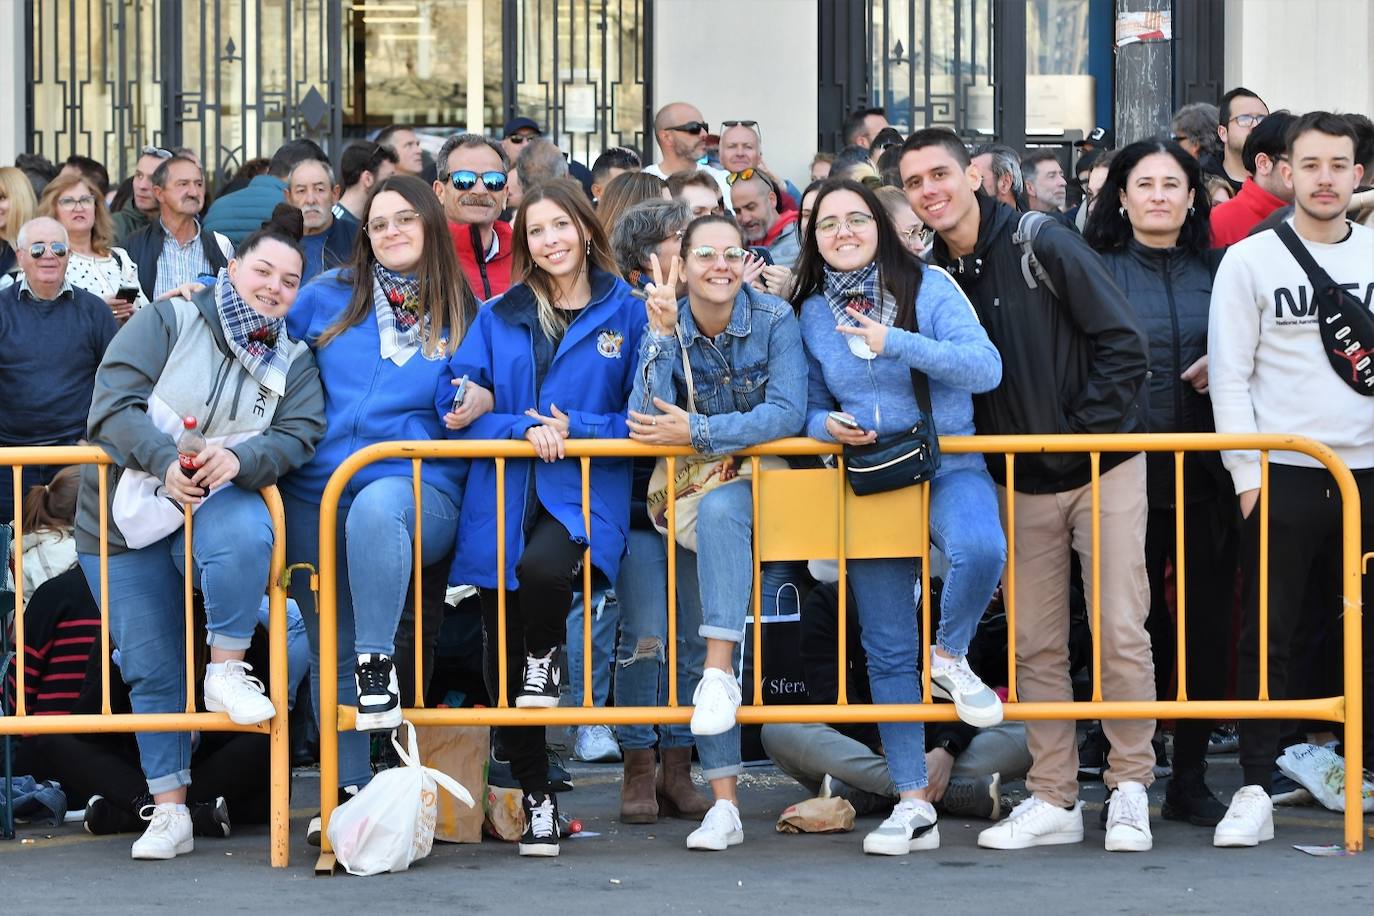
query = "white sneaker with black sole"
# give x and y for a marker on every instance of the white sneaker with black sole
(230, 688)
(910, 827)
(168, 834)
(379, 694)
(1249, 819)
(720, 828)
(952, 679)
(541, 825)
(1128, 819)
(543, 680)
(1035, 823)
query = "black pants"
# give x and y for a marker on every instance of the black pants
(536, 621)
(1210, 541)
(1304, 553)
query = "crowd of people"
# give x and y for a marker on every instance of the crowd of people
(1215, 278)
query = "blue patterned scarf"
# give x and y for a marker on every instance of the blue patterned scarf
(861, 290)
(259, 343)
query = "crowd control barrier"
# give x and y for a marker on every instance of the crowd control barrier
(18, 722)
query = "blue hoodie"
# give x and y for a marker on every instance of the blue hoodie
(367, 399)
(590, 378)
(952, 349)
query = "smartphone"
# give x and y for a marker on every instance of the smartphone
(128, 294)
(844, 420)
(461, 391)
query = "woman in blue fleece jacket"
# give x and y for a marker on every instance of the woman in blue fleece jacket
(856, 288)
(382, 330)
(557, 351)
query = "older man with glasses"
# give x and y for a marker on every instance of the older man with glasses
(741, 147)
(52, 337)
(141, 208)
(471, 186)
(681, 131)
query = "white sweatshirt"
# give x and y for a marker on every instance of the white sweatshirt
(1267, 367)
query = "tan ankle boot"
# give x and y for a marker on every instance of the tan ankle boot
(637, 802)
(677, 794)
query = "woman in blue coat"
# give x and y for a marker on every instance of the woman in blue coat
(557, 352)
(382, 330)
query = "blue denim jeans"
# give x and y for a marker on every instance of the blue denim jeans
(964, 524)
(605, 617)
(886, 594)
(725, 530)
(297, 645)
(231, 546)
(641, 659)
(374, 548)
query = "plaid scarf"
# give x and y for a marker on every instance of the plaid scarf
(860, 290)
(396, 300)
(259, 343)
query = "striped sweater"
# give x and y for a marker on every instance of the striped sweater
(61, 625)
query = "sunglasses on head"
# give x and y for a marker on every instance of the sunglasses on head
(38, 249)
(466, 179)
(157, 151)
(752, 125)
(746, 174)
(692, 127)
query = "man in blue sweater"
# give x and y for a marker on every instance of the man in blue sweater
(52, 338)
(238, 214)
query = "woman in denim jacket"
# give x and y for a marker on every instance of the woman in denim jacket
(749, 386)
(856, 287)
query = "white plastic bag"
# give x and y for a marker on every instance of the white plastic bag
(1320, 771)
(390, 823)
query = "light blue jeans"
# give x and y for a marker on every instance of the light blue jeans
(375, 548)
(297, 645)
(966, 526)
(231, 548)
(605, 617)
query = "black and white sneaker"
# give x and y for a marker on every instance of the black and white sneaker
(379, 694)
(543, 678)
(541, 825)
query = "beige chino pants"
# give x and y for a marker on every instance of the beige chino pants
(1047, 527)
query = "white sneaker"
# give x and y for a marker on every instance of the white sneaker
(596, 744)
(168, 834)
(1035, 823)
(1128, 819)
(235, 691)
(715, 703)
(975, 702)
(720, 828)
(1249, 820)
(909, 828)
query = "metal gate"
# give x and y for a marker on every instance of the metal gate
(229, 79)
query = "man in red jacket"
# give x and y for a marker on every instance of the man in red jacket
(1264, 191)
(472, 187)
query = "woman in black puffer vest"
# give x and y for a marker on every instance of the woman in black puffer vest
(1150, 223)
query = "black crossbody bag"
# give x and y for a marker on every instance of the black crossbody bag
(1346, 326)
(903, 460)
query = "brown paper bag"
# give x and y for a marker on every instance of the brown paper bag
(817, 815)
(461, 753)
(505, 814)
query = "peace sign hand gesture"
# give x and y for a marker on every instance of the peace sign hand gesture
(874, 333)
(661, 303)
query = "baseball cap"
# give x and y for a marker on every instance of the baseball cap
(1099, 136)
(518, 124)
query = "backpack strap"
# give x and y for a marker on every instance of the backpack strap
(1032, 270)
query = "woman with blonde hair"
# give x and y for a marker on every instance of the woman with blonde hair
(17, 206)
(95, 264)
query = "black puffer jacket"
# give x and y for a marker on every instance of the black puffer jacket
(1075, 364)
(1171, 292)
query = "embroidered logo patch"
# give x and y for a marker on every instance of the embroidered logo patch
(608, 343)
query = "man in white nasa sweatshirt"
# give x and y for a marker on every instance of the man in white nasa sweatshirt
(1269, 373)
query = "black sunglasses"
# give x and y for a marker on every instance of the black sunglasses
(692, 127)
(38, 249)
(752, 125)
(466, 179)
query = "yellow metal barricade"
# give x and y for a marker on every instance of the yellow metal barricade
(812, 514)
(190, 720)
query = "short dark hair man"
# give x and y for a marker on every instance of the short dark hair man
(1000, 168)
(90, 169)
(52, 338)
(1073, 360)
(615, 161)
(240, 214)
(1239, 113)
(1046, 185)
(142, 207)
(405, 143)
(862, 125)
(327, 241)
(361, 166)
(1265, 191)
(471, 186)
(756, 210)
(177, 249)
(1269, 372)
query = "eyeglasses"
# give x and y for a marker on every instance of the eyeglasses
(402, 220)
(752, 125)
(692, 127)
(74, 203)
(746, 174)
(157, 151)
(707, 254)
(854, 222)
(1247, 120)
(518, 139)
(38, 249)
(466, 179)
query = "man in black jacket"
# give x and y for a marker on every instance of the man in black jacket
(1074, 362)
(177, 249)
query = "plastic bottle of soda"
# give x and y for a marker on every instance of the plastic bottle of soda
(189, 445)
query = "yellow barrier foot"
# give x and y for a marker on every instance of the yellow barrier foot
(325, 865)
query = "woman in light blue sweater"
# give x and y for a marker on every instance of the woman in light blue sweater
(856, 289)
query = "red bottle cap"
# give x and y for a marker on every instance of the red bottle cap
(189, 422)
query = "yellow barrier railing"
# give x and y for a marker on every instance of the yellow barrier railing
(20, 723)
(811, 514)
